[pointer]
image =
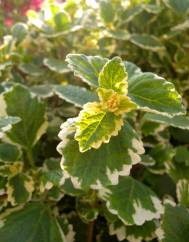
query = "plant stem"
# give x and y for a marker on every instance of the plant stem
(30, 157)
(90, 230)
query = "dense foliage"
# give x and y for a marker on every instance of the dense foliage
(114, 75)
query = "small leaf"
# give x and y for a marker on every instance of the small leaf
(116, 103)
(19, 31)
(33, 223)
(107, 12)
(175, 224)
(133, 202)
(180, 121)
(95, 126)
(147, 42)
(56, 65)
(75, 94)
(86, 67)
(19, 189)
(114, 76)
(155, 94)
(9, 152)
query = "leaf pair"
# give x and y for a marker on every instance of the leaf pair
(98, 121)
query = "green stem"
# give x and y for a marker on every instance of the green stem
(90, 230)
(30, 157)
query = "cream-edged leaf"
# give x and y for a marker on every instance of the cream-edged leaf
(114, 76)
(19, 189)
(132, 201)
(153, 93)
(86, 67)
(95, 126)
(75, 94)
(105, 164)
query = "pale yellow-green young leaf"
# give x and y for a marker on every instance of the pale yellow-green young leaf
(116, 103)
(95, 126)
(114, 76)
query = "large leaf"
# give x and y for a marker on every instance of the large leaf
(33, 223)
(95, 126)
(105, 164)
(133, 202)
(175, 224)
(151, 92)
(114, 76)
(147, 42)
(86, 67)
(20, 102)
(180, 121)
(75, 94)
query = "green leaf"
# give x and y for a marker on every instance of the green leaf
(75, 94)
(107, 13)
(33, 223)
(117, 34)
(132, 69)
(7, 122)
(19, 31)
(62, 21)
(95, 126)
(19, 189)
(43, 91)
(180, 7)
(56, 65)
(175, 224)
(133, 232)
(183, 192)
(85, 209)
(105, 164)
(180, 121)
(152, 8)
(114, 76)
(133, 202)
(32, 69)
(19, 101)
(155, 94)
(147, 42)
(182, 155)
(86, 67)
(9, 152)
(130, 13)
